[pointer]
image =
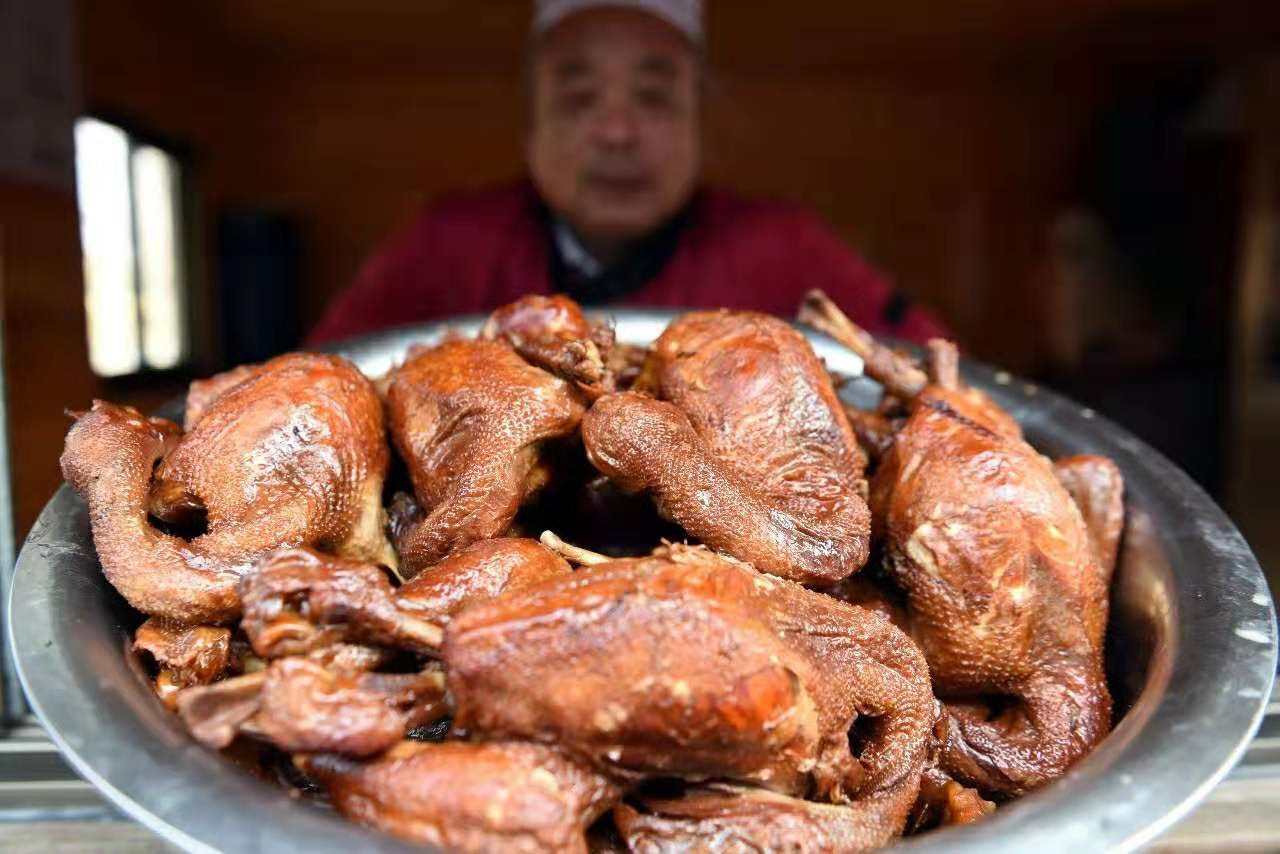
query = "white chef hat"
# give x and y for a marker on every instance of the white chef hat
(684, 15)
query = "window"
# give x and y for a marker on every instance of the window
(131, 230)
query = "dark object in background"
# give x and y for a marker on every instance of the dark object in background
(1159, 188)
(259, 270)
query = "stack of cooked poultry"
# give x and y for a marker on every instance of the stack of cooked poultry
(762, 686)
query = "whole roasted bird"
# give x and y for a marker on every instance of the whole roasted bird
(287, 453)
(691, 665)
(1006, 590)
(473, 420)
(740, 438)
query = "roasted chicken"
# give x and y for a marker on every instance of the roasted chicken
(500, 796)
(471, 419)
(725, 819)
(551, 333)
(477, 691)
(311, 704)
(299, 600)
(289, 453)
(693, 665)
(743, 443)
(1006, 593)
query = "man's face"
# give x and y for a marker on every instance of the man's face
(613, 142)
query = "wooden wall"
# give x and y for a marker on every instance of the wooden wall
(938, 139)
(45, 354)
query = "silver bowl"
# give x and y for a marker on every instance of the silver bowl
(1191, 656)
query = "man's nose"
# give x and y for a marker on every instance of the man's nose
(617, 124)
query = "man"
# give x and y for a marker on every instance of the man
(613, 212)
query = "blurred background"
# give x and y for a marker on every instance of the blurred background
(1086, 191)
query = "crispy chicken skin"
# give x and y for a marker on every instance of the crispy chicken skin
(492, 797)
(1005, 592)
(551, 333)
(690, 664)
(470, 419)
(724, 819)
(292, 453)
(746, 446)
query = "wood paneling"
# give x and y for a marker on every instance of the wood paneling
(46, 353)
(940, 139)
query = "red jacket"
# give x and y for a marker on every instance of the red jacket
(474, 252)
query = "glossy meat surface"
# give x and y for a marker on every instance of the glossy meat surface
(299, 600)
(470, 419)
(292, 454)
(551, 333)
(1097, 488)
(1005, 594)
(478, 573)
(692, 665)
(493, 797)
(740, 820)
(186, 655)
(306, 704)
(749, 449)
(944, 803)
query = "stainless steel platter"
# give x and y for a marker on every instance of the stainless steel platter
(1191, 657)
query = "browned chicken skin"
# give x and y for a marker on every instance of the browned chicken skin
(470, 419)
(698, 666)
(943, 803)
(748, 447)
(724, 819)
(1097, 488)
(551, 333)
(303, 704)
(293, 453)
(300, 600)
(185, 655)
(495, 797)
(1006, 594)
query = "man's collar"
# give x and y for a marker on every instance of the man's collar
(578, 274)
(574, 255)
